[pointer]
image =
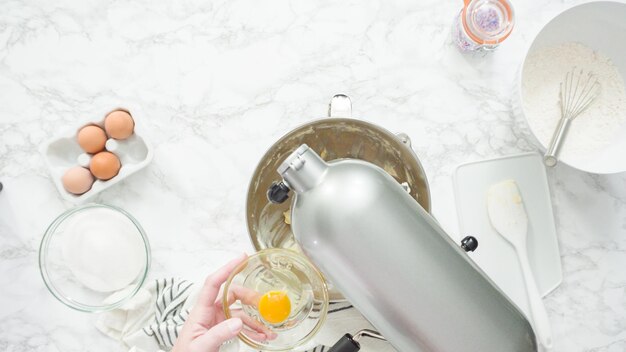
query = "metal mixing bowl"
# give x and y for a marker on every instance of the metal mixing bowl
(332, 138)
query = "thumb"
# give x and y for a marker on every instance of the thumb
(211, 340)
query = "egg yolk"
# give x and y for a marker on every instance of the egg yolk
(275, 307)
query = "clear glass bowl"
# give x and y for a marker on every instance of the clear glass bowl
(94, 257)
(290, 273)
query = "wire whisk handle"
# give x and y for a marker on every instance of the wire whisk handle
(576, 93)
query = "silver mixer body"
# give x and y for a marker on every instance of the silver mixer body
(394, 262)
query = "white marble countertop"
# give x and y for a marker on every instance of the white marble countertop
(218, 82)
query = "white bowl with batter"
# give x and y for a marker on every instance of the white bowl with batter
(590, 36)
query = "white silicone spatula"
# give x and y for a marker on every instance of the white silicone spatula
(508, 216)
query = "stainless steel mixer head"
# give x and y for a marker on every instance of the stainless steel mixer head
(577, 92)
(394, 262)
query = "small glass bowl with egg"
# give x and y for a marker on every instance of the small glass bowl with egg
(94, 257)
(284, 292)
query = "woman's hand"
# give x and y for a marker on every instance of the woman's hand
(206, 328)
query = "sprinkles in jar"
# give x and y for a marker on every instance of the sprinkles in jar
(483, 24)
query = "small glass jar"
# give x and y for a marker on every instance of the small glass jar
(483, 24)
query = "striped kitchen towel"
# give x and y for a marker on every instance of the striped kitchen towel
(171, 313)
(152, 320)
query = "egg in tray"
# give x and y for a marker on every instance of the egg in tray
(88, 159)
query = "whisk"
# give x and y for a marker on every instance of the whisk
(577, 92)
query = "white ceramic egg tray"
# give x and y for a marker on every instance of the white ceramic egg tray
(63, 152)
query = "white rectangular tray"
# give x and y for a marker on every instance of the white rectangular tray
(61, 153)
(495, 256)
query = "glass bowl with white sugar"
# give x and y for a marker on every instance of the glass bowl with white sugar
(94, 257)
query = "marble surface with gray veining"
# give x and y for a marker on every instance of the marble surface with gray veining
(217, 82)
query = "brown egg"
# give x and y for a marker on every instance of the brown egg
(119, 124)
(104, 165)
(92, 139)
(77, 180)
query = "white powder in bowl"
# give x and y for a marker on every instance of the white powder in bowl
(103, 249)
(596, 127)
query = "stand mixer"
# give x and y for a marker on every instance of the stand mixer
(393, 261)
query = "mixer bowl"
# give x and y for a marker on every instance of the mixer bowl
(600, 25)
(333, 138)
